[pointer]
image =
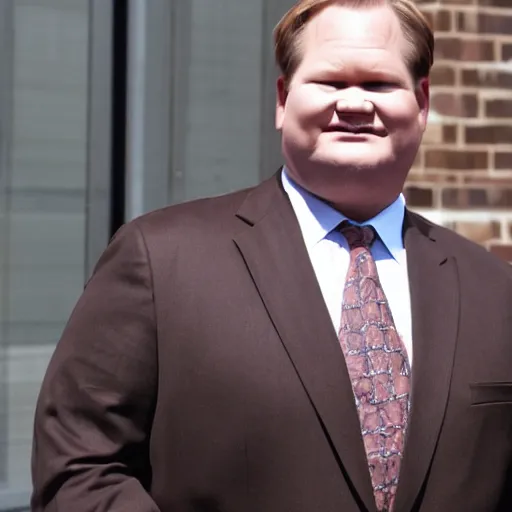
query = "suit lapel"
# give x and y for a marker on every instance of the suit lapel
(273, 249)
(434, 289)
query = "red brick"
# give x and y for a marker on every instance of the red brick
(456, 159)
(419, 197)
(466, 21)
(484, 198)
(499, 108)
(490, 3)
(489, 79)
(506, 51)
(492, 183)
(466, 50)
(479, 232)
(456, 105)
(503, 161)
(455, 2)
(491, 134)
(463, 198)
(484, 23)
(440, 21)
(442, 75)
(503, 252)
(450, 134)
(431, 177)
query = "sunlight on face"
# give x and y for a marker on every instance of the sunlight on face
(352, 117)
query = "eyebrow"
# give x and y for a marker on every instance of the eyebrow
(366, 74)
(380, 70)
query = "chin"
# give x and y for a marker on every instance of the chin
(350, 157)
(350, 165)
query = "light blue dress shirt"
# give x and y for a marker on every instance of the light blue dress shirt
(329, 254)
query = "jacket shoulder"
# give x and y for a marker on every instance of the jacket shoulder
(203, 215)
(478, 258)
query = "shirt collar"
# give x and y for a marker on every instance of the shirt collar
(317, 219)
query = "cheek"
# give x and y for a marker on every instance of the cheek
(308, 110)
(400, 112)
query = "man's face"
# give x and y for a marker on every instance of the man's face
(352, 118)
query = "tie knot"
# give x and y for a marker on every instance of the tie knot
(357, 236)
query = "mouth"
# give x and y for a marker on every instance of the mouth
(355, 129)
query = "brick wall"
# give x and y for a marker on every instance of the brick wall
(463, 175)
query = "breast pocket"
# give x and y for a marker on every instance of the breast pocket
(491, 393)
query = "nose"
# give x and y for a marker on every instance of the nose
(352, 100)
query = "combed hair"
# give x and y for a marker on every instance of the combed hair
(416, 29)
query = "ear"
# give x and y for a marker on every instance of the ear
(281, 95)
(423, 99)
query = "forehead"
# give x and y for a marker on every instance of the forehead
(366, 35)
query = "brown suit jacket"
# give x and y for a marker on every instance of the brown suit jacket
(200, 372)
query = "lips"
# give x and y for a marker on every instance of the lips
(355, 129)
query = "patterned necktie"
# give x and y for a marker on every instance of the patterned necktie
(377, 365)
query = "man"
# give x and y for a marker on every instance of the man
(306, 345)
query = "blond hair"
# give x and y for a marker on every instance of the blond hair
(414, 26)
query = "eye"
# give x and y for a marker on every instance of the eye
(378, 85)
(333, 85)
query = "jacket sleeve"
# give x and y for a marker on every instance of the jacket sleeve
(95, 408)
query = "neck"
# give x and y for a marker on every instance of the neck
(360, 212)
